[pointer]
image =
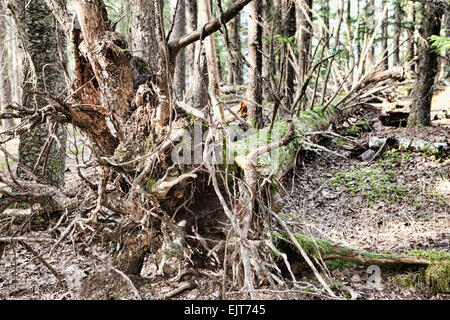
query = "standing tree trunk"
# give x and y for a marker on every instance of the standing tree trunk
(446, 60)
(198, 69)
(304, 29)
(428, 68)
(5, 74)
(289, 29)
(179, 78)
(143, 38)
(41, 39)
(191, 25)
(234, 76)
(369, 30)
(384, 42)
(205, 15)
(326, 21)
(411, 13)
(254, 92)
(397, 31)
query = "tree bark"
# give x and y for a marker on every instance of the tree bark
(289, 29)
(143, 38)
(428, 69)
(411, 13)
(191, 25)
(304, 18)
(370, 26)
(254, 92)
(179, 78)
(5, 72)
(41, 40)
(397, 31)
(234, 76)
(384, 43)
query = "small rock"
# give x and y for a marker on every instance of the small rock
(367, 155)
(356, 278)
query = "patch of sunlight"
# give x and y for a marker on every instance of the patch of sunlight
(441, 100)
(443, 187)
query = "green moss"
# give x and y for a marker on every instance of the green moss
(390, 159)
(309, 245)
(433, 279)
(356, 129)
(437, 278)
(55, 165)
(141, 63)
(340, 264)
(123, 155)
(372, 184)
(150, 184)
(432, 255)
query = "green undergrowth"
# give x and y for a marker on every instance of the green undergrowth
(372, 184)
(433, 279)
(393, 158)
(356, 129)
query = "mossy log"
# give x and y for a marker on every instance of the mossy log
(278, 161)
(434, 265)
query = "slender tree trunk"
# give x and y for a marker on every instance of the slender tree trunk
(191, 25)
(179, 78)
(304, 31)
(384, 42)
(268, 57)
(326, 19)
(234, 76)
(397, 31)
(39, 27)
(205, 15)
(446, 61)
(198, 69)
(370, 26)
(255, 59)
(411, 12)
(5, 73)
(428, 69)
(289, 29)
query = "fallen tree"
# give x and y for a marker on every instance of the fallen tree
(137, 186)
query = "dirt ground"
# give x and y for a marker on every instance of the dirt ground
(325, 197)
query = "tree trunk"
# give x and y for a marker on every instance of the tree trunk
(234, 76)
(179, 78)
(411, 12)
(384, 43)
(304, 18)
(143, 38)
(5, 73)
(428, 69)
(289, 29)
(191, 25)
(446, 61)
(397, 31)
(41, 39)
(254, 92)
(370, 26)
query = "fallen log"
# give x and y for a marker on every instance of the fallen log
(433, 265)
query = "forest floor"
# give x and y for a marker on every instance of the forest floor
(393, 204)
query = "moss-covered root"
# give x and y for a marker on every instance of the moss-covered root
(435, 265)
